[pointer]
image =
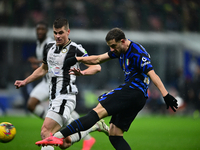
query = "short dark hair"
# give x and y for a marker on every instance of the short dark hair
(42, 23)
(60, 22)
(115, 33)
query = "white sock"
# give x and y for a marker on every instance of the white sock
(75, 115)
(87, 137)
(75, 137)
(40, 111)
(48, 147)
(58, 135)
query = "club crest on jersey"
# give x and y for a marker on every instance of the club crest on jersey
(64, 50)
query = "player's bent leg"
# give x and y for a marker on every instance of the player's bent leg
(116, 138)
(115, 131)
(57, 138)
(88, 140)
(101, 111)
(85, 122)
(119, 143)
(34, 105)
(49, 126)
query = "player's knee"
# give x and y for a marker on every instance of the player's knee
(30, 107)
(101, 111)
(115, 131)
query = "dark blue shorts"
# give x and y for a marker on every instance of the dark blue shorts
(123, 104)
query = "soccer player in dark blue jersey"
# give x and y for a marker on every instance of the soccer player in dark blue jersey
(124, 102)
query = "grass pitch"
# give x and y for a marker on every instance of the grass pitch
(146, 133)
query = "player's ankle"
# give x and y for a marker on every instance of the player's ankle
(58, 135)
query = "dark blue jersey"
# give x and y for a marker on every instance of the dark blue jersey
(135, 64)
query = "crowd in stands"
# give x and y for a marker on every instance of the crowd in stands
(136, 15)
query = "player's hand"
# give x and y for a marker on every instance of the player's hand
(76, 72)
(32, 60)
(69, 62)
(19, 83)
(171, 102)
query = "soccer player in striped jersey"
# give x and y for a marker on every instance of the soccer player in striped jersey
(39, 93)
(62, 88)
(124, 102)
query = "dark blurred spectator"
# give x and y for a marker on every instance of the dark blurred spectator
(142, 15)
(20, 12)
(193, 23)
(155, 23)
(80, 19)
(5, 12)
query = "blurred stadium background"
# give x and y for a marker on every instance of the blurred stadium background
(168, 29)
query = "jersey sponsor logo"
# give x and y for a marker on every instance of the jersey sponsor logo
(57, 70)
(145, 62)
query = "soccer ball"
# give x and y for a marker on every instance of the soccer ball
(7, 132)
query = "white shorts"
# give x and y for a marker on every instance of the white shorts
(41, 91)
(62, 106)
(62, 121)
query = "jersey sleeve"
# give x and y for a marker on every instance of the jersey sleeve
(45, 52)
(81, 52)
(112, 55)
(145, 64)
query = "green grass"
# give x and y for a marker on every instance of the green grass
(146, 133)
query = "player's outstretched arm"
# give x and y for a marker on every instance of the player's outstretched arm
(90, 60)
(169, 99)
(38, 73)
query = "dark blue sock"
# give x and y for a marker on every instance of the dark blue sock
(119, 143)
(81, 124)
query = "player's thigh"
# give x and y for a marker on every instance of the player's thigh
(124, 118)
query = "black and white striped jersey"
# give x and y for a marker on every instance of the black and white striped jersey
(61, 82)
